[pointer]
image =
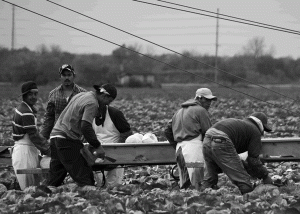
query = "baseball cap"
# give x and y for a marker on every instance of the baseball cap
(107, 88)
(264, 120)
(205, 92)
(29, 86)
(66, 67)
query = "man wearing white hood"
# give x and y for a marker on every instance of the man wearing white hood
(228, 138)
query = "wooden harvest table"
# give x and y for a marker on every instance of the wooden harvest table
(162, 153)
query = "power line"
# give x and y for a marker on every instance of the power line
(177, 34)
(242, 22)
(260, 23)
(169, 49)
(143, 54)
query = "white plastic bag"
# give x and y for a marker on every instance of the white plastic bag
(135, 138)
(149, 138)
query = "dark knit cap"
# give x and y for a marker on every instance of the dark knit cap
(28, 86)
(264, 120)
(108, 89)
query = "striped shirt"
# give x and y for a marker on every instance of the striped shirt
(57, 102)
(24, 121)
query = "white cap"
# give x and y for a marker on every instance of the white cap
(205, 92)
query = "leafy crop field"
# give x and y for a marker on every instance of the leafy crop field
(152, 189)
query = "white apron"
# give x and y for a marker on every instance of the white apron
(108, 133)
(25, 156)
(193, 157)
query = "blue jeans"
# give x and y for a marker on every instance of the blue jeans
(220, 156)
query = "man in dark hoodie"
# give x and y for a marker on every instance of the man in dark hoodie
(189, 125)
(228, 138)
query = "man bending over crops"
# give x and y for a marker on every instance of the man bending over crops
(222, 144)
(189, 125)
(75, 122)
(28, 141)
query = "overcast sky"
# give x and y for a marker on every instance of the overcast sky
(175, 30)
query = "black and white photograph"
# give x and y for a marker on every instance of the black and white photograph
(149, 106)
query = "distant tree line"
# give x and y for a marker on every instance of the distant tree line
(254, 63)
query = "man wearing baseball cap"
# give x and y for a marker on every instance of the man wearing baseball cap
(187, 128)
(59, 98)
(110, 126)
(74, 123)
(28, 141)
(228, 138)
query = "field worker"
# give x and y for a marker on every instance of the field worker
(28, 141)
(189, 125)
(111, 126)
(59, 98)
(75, 122)
(222, 144)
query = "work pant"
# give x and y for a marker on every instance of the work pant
(112, 177)
(220, 156)
(25, 156)
(190, 162)
(66, 158)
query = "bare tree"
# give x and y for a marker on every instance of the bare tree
(42, 49)
(255, 47)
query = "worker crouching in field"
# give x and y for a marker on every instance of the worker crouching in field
(74, 123)
(28, 141)
(222, 144)
(188, 127)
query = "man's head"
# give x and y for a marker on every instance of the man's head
(106, 93)
(29, 92)
(205, 96)
(67, 74)
(264, 120)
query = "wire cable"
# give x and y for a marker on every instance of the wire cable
(242, 22)
(62, 23)
(220, 14)
(171, 50)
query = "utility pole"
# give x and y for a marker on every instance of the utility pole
(217, 45)
(13, 28)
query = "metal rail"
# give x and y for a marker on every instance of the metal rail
(162, 153)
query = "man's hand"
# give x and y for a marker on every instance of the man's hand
(47, 152)
(99, 152)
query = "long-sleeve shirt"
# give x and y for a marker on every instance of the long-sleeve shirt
(57, 102)
(118, 119)
(245, 136)
(24, 122)
(190, 121)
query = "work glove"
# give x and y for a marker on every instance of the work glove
(47, 152)
(99, 152)
(268, 180)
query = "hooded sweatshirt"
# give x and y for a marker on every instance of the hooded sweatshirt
(190, 121)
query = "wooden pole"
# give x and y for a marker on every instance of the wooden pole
(217, 45)
(13, 28)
